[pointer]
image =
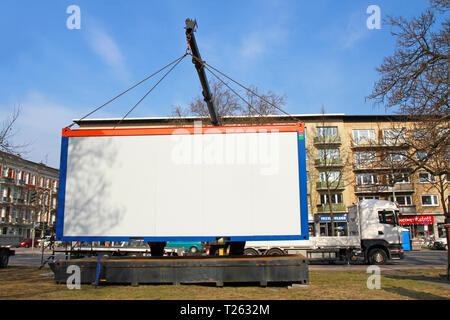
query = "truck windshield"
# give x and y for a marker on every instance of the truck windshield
(388, 217)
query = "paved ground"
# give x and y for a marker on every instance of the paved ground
(423, 259)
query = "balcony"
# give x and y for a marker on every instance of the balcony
(373, 161)
(379, 166)
(327, 141)
(6, 199)
(407, 209)
(21, 183)
(369, 144)
(332, 162)
(322, 185)
(377, 188)
(19, 201)
(6, 180)
(336, 207)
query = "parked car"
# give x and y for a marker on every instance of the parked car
(28, 243)
(190, 247)
(440, 244)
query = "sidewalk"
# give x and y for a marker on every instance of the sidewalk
(364, 267)
(36, 250)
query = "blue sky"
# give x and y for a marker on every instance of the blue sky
(317, 53)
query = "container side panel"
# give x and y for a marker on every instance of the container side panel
(182, 186)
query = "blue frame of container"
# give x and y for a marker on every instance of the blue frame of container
(67, 133)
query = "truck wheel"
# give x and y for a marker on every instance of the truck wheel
(251, 252)
(377, 256)
(275, 252)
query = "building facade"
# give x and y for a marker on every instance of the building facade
(346, 162)
(366, 163)
(28, 197)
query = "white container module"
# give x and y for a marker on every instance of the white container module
(188, 183)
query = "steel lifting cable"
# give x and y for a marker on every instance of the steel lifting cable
(205, 64)
(148, 92)
(226, 84)
(134, 86)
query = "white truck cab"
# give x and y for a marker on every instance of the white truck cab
(376, 224)
(374, 235)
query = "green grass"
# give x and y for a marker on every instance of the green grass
(31, 283)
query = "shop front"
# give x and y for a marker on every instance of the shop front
(340, 225)
(420, 226)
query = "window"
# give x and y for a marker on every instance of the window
(421, 134)
(326, 131)
(387, 217)
(393, 136)
(443, 131)
(365, 156)
(366, 178)
(402, 200)
(368, 198)
(430, 200)
(328, 153)
(333, 176)
(398, 156)
(363, 135)
(421, 155)
(425, 177)
(335, 198)
(399, 178)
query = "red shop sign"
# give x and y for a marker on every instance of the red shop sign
(415, 219)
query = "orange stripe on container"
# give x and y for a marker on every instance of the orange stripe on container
(67, 132)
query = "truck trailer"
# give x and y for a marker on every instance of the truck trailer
(374, 236)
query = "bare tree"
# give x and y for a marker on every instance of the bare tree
(387, 155)
(333, 173)
(415, 80)
(415, 77)
(429, 145)
(423, 146)
(7, 134)
(228, 103)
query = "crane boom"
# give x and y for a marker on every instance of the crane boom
(206, 91)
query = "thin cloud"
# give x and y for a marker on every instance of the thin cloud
(39, 125)
(108, 50)
(354, 31)
(252, 46)
(255, 44)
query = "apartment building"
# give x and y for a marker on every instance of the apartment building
(344, 165)
(28, 196)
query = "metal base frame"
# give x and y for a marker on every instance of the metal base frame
(178, 270)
